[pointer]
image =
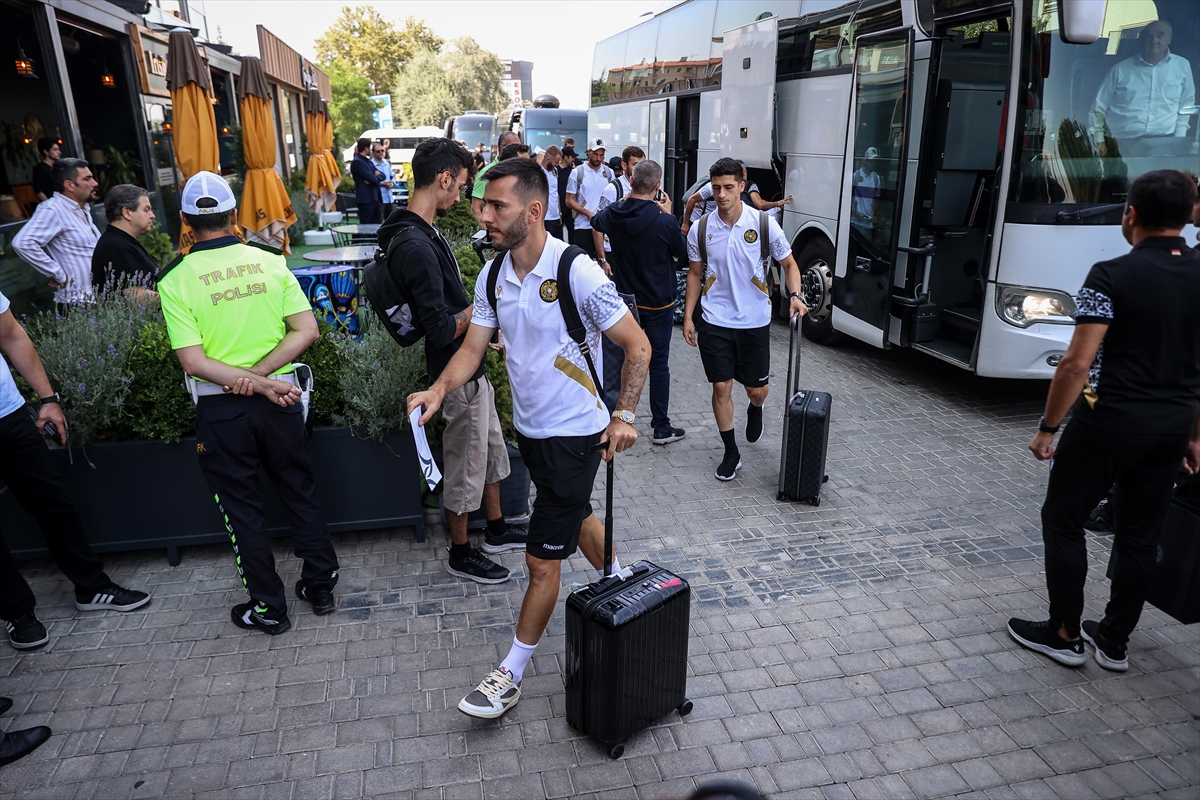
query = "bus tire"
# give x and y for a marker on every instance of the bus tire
(816, 262)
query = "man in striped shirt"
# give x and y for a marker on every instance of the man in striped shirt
(58, 241)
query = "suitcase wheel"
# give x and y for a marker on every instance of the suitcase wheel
(684, 708)
(616, 751)
(825, 479)
(814, 502)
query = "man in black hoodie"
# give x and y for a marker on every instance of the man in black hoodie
(423, 265)
(647, 236)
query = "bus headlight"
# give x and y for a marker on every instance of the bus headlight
(1023, 307)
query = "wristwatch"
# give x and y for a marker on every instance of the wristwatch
(796, 294)
(1044, 428)
(624, 416)
(51, 399)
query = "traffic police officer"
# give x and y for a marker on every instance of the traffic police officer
(237, 317)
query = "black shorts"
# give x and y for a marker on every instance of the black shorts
(563, 469)
(740, 354)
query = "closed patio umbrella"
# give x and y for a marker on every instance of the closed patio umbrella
(193, 122)
(335, 164)
(321, 182)
(266, 211)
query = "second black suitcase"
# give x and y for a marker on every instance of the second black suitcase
(627, 645)
(805, 433)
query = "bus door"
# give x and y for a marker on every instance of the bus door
(687, 143)
(656, 143)
(869, 218)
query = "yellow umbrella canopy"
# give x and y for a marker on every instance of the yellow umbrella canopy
(321, 182)
(335, 164)
(266, 211)
(194, 126)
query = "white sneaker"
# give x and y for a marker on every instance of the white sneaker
(491, 698)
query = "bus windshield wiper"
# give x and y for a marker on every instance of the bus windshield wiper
(1084, 213)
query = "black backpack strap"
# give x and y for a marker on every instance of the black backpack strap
(493, 271)
(618, 188)
(570, 311)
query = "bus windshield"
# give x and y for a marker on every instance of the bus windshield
(474, 131)
(544, 137)
(1097, 116)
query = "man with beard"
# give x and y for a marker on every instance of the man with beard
(561, 424)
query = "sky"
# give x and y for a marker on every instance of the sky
(557, 36)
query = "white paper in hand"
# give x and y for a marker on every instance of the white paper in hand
(433, 475)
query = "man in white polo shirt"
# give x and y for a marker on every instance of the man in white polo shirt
(735, 331)
(584, 188)
(557, 411)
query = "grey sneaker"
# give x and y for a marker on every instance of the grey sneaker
(668, 435)
(494, 696)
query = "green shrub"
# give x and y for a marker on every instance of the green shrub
(159, 406)
(306, 218)
(377, 378)
(158, 244)
(297, 180)
(324, 359)
(459, 222)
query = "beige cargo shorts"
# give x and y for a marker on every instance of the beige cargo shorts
(472, 446)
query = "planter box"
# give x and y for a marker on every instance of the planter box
(514, 494)
(150, 494)
(318, 237)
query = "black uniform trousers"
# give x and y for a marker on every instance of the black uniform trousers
(1087, 462)
(236, 435)
(582, 237)
(32, 475)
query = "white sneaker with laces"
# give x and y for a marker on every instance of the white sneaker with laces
(494, 696)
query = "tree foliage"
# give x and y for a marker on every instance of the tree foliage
(367, 44)
(433, 86)
(350, 106)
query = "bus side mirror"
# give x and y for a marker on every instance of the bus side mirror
(1081, 21)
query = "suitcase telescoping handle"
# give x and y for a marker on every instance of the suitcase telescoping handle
(793, 379)
(608, 515)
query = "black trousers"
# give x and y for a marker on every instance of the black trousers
(370, 213)
(582, 237)
(237, 435)
(1087, 462)
(33, 477)
(553, 227)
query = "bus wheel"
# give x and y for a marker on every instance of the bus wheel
(816, 277)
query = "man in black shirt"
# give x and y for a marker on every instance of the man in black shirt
(43, 182)
(1135, 358)
(118, 251)
(422, 264)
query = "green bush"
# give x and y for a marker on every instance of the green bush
(158, 244)
(377, 378)
(325, 361)
(297, 180)
(459, 222)
(159, 407)
(306, 218)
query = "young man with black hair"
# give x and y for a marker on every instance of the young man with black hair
(731, 289)
(60, 237)
(368, 184)
(422, 262)
(556, 405)
(618, 189)
(48, 153)
(1131, 378)
(237, 317)
(702, 201)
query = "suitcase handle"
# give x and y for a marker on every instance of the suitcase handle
(793, 377)
(608, 516)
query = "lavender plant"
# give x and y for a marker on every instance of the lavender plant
(377, 376)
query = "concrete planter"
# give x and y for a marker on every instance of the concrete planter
(149, 494)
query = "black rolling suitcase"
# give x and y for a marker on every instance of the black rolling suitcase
(805, 433)
(627, 645)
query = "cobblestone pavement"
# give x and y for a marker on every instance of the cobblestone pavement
(855, 650)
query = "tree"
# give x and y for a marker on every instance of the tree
(350, 106)
(432, 86)
(364, 42)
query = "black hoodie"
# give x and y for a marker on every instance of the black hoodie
(425, 268)
(646, 242)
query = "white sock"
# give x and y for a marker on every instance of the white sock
(518, 658)
(616, 567)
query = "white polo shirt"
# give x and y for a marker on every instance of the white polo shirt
(587, 190)
(609, 196)
(552, 388)
(735, 293)
(552, 212)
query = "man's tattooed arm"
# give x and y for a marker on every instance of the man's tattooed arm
(633, 377)
(462, 321)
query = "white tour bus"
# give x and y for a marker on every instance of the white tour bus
(955, 166)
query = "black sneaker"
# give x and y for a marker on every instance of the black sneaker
(5, 704)
(254, 616)
(729, 467)
(27, 633)
(113, 597)
(477, 567)
(1042, 637)
(321, 599)
(513, 538)
(1101, 518)
(754, 425)
(668, 435)
(1109, 655)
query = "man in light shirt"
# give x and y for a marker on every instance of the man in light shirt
(584, 188)
(1143, 95)
(380, 160)
(59, 239)
(551, 158)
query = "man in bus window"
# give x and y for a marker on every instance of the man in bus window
(867, 183)
(584, 188)
(1131, 379)
(1143, 95)
(729, 281)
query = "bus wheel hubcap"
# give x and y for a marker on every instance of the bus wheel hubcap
(817, 286)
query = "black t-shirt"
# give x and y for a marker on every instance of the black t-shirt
(123, 253)
(41, 179)
(1146, 375)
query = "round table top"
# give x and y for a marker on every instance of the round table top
(343, 255)
(366, 229)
